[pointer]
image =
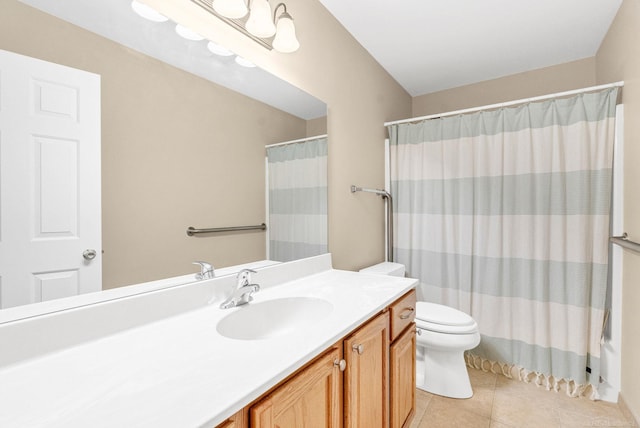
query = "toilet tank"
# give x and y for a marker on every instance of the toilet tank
(385, 268)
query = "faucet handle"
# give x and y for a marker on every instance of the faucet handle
(244, 277)
(206, 270)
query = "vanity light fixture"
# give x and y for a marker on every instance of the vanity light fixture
(271, 30)
(188, 33)
(147, 12)
(244, 62)
(233, 9)
(285, 40)
(260, 23)
(218, 50)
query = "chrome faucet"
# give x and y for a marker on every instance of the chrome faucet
(242, 294)
(206, 271)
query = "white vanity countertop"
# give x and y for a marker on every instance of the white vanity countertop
(179, 372)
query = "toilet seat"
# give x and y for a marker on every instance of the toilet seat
(443, 319)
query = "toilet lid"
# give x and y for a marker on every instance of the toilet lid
(447, 329)
(440, 315)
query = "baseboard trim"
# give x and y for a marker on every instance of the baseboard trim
(626, 411)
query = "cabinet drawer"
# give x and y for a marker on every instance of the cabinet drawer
(402, 313)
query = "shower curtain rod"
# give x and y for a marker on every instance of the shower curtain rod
(295, 141)
(508, 103)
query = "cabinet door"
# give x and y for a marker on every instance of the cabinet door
(402, 359)
(311, 399)
(236, 421)
(366, 379)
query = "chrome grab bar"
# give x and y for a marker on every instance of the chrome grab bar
(624, 241)
(193, 231)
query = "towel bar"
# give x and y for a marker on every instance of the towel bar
(193, 231)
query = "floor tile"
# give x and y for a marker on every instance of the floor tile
(496, 424)
(422, 401)
(582, 412)
(443, 413)
(500, 402)
(480, 404)
(524, 405)
(482, 378)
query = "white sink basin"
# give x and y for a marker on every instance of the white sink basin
(273, 318)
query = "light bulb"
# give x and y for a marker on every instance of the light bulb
(233, 9)
(259, 23)
(218, 50)
(147, 12)
(285, 40)
(188, 33)
(244, 62)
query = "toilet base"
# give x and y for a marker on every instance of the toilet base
(442, 373)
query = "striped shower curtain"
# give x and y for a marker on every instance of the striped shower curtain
(504, 215)
(297, 180)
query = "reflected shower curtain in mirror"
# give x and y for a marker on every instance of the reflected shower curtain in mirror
(504, 215)
(297, 175)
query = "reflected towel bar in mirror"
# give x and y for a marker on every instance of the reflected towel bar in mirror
(193, 231)
(624, 241)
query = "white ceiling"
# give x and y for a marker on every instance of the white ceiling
(431, 45)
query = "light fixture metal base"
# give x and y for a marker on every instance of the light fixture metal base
(238, 24)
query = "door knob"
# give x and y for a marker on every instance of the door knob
(340, 363)
(89, 254)
(358, 348)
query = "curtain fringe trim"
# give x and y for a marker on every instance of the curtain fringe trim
(549, 382)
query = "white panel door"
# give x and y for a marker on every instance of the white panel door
(49, 181)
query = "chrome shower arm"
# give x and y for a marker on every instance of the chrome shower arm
(380, 192)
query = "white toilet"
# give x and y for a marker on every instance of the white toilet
(444, 333)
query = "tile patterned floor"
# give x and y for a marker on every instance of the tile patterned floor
(499, 402)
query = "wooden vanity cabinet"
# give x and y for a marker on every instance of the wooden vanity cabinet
(402, 361)
(312, 398)
(365, 381)
(239, 420)
(402, 313)
(402, 378)
(229, 423)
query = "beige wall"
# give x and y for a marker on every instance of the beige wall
(176, 152)
(317, 126)
(619, 59)
(549, 80)
(360, 96)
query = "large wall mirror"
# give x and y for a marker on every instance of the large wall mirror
(183, 134)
